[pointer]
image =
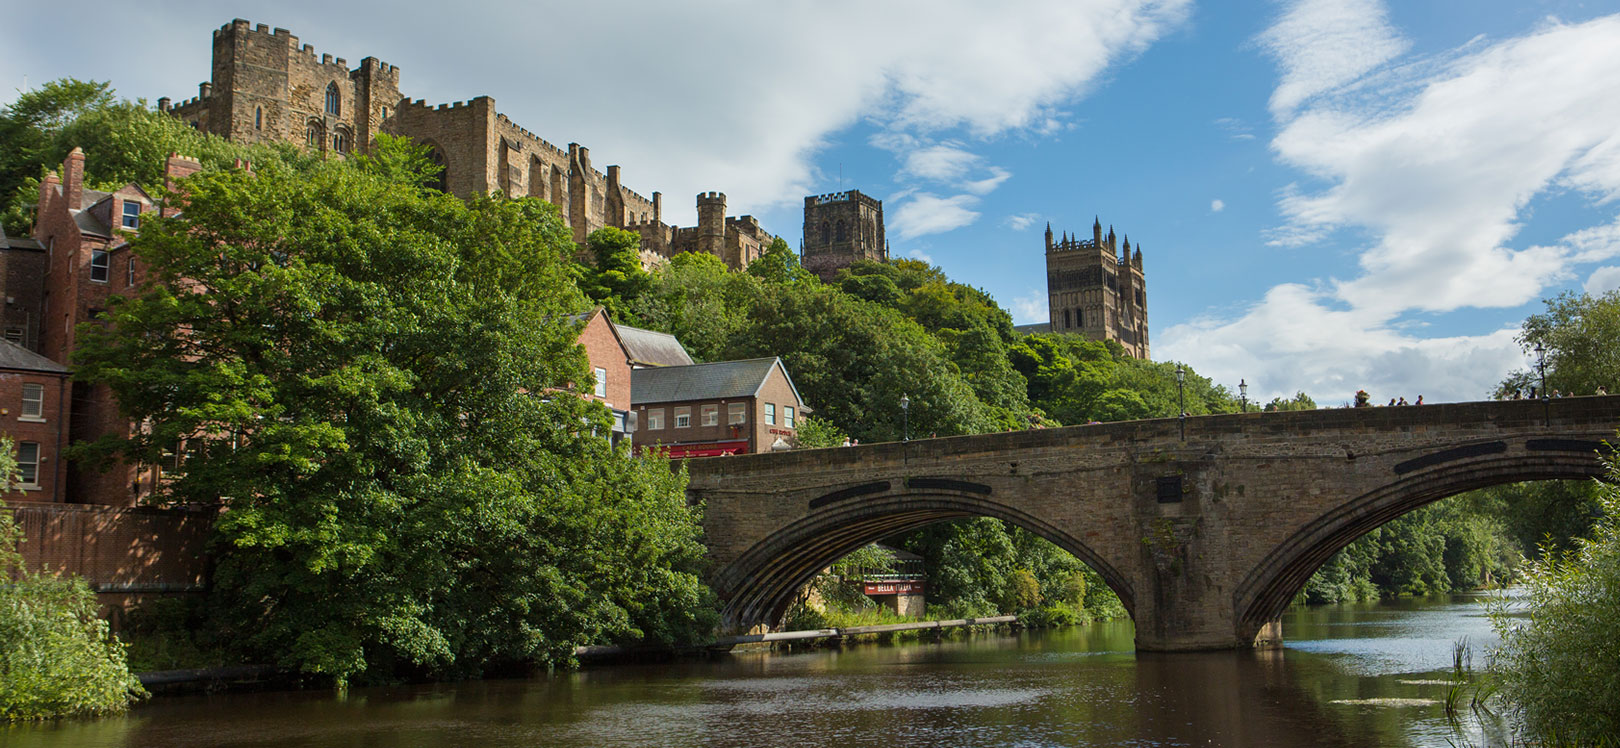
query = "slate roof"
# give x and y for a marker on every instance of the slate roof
(722, 380)
(13, 356)
(1037, 327)
(7, 242)
(649, 348)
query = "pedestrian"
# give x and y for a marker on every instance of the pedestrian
(1402, 402)
(1420, 400)
(1601, 390)
(1391, 403)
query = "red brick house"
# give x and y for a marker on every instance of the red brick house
(610, 368)
(33, 412)
(707, 410)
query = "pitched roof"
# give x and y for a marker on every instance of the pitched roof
(13, 356)
(7, 242)
(649, 348)
(721, 380)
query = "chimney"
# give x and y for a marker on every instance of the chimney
(73, 179)
(163, 104)
(205, 90)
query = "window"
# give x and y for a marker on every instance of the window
(770, 414)
(15, 335)
(132, 214)
(129, 270)
(736, 413)
(385, 113)
(601, 382)
(1066, 317)
(313, 134)
(618, 421)
(826, 233)
(840, 231)
(28, 463)
(787, 416)
(258, 118)
(711, 415)
(340, 141)
(683, 417)
(33, 402)
(333, 100)
(655, 419)
(98, 265)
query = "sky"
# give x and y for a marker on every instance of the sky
(1330, 195)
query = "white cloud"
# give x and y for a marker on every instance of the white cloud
(1435, 166)
(689, 96)
(1030, 308)
(926, 213)
(917, 254)
(1217, 205)
(988, 184)
(1603, 280)
(1235, 128)
(1325, 44)
(942, 162)
(1021, 221)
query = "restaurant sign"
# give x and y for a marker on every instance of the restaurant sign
(894, 588)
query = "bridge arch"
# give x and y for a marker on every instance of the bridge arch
(761, 583)
(1268, 589)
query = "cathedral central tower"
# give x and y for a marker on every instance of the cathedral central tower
(1096, 287)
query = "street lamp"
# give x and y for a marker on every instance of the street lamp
(1243, 393)
(905, 418)
(1541, 367)
(1181, 396)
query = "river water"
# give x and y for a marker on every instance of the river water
(1350, 675)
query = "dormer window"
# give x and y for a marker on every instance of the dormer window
(132, 215)
(333, 99)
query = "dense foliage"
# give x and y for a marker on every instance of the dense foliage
(1559, 661)
(57, 658)
(359, 366)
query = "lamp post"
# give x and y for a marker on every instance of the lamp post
(1541, 368)
(905, 418)
(1243, 393)
(1181, 396)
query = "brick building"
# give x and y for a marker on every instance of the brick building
(22, 265)
(610, 368)
(727, 407)
(33, 412)
(840, 229)
(1096, 288)
(267, 87)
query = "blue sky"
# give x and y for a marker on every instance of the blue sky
(1329, 195)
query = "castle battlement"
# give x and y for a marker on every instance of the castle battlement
(842, 197)
(536, 139)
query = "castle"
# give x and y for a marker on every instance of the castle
(266, 87)
(841, 228)
(1095, 288)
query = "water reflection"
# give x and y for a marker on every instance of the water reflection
(1351, 676)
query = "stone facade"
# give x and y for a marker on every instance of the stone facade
(1097, 289)
(1205, 537)
(840, 229)
(265, 87)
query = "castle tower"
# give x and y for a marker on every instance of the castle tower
(711, 209)
(840, 229)
(1095, 290)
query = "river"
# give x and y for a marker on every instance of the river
(1350, 675)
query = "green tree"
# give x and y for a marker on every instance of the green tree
(1559, 664)
(1578, 333)
(780, 264)
(359, 369)
(814, 433)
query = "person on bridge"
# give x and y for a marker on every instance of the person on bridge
(1419, 400)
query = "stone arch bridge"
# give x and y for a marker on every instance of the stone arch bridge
(1205, 538)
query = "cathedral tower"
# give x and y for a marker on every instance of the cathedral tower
(841, 228)
(1096, 287)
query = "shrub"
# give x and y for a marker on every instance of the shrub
(58, 658)
(1559, 666)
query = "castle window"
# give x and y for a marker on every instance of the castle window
(441, 181)
(258, 118)
(1079, 318)
(340, 140)
(314, 134)
(1066, 318)
(841, 231)
(333, 99)
(826, 233)
(98, 265)
(132, 215)
(385, 113)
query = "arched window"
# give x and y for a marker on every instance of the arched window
(340, 140)
(1065, 319)
(333, 100)
(826, 233)
(258, 118)
(440, 181)
(841, 234)
(537, 177)
(314, 134)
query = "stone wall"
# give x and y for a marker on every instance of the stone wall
(840, 229)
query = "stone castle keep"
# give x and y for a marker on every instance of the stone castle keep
(266, 87)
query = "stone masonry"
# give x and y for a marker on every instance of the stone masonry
(1205, 539)
(1096, 289)
(841, 229)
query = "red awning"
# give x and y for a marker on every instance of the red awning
(708, 449)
